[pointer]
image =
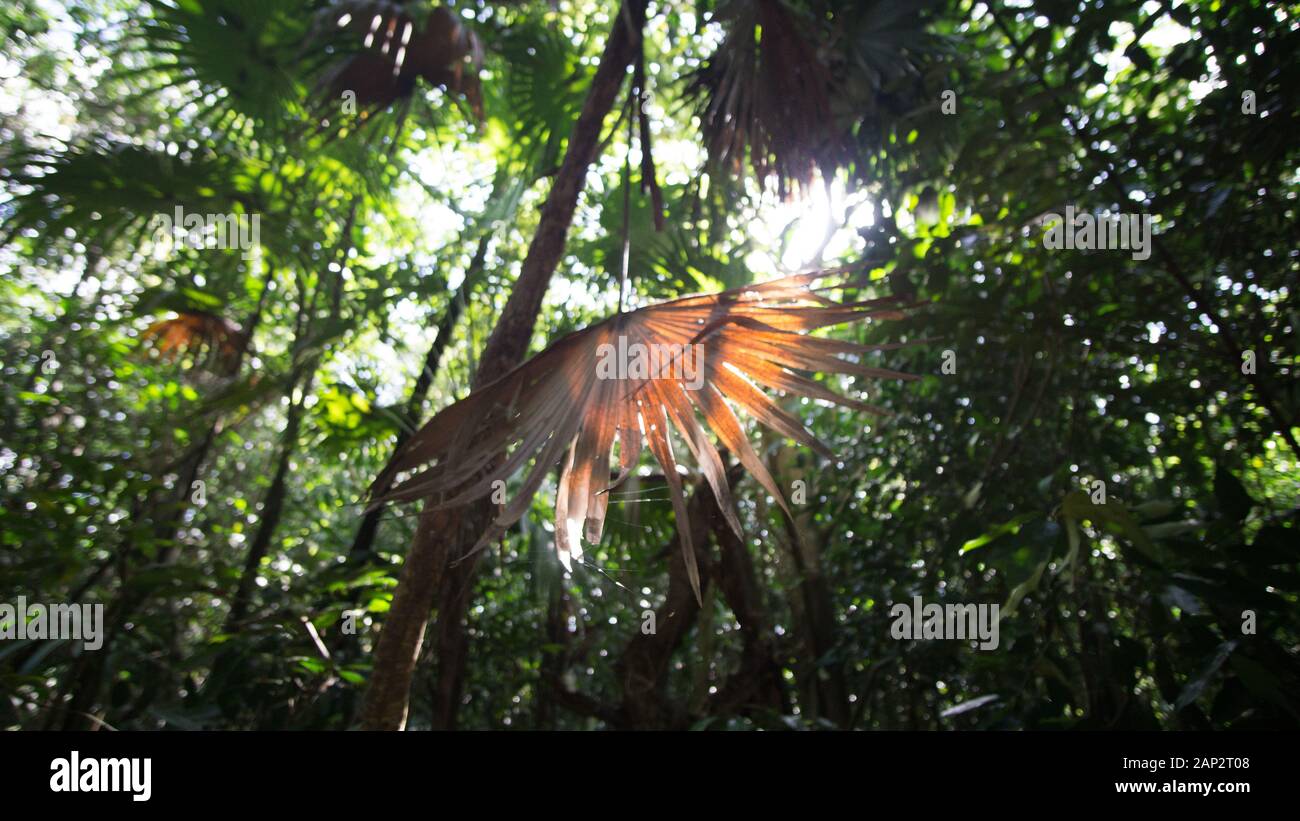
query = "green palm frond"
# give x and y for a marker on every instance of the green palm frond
(881, 61)
(541, 93)
(238, 54)
(667, 263)
(99, 194)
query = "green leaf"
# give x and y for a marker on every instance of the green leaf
(997, 532)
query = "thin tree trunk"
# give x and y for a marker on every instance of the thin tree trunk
(554, 658)
(444, 536)
(758, 683)
(84, 680)
(273, 506)
(642, 669)
(363, 544)
(829, 683)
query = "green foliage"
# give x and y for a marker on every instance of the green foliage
(1099, 463)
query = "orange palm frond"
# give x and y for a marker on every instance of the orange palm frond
(572, 402)
(197, 333)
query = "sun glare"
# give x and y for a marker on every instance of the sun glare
(815, 229)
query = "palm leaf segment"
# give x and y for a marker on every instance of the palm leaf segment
(767, 90)
(398, 49)
(803, 85)
(563, 405)
(213, 340)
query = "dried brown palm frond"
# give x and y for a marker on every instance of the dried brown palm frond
(567, 404)
(212, 340)
(398, 48)
(767, 91)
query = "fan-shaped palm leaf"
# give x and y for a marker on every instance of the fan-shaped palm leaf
(794, 83)
(767, 90)
(105, 193)
(397, 47)
(566, 403)
(543, 88)
(209, 338)
(238, 53)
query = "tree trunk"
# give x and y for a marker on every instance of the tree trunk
(445, 536)
(642, 670)
(758, 683)
(828, 680)
(364, 543)
(272, 508)
(85, 678)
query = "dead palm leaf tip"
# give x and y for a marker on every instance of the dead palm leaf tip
(398, 45)
(565, 406)
(766, 92)
(212, 340)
